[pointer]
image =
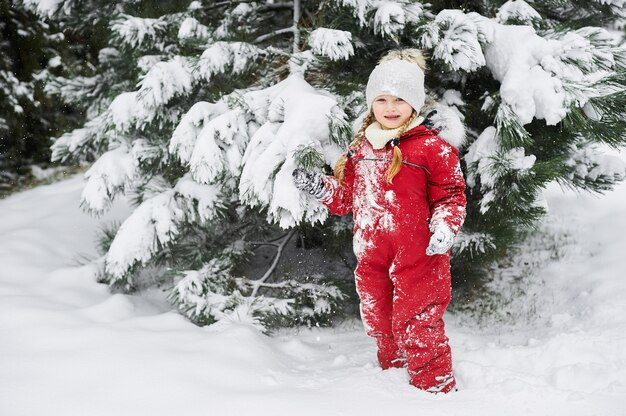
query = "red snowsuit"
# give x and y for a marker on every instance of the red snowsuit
(404, 292)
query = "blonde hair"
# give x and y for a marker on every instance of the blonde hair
(356, 142)
(396, 162)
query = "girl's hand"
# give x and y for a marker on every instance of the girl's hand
(440, 241)
(309, 182)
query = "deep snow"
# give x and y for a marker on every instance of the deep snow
(69, 347)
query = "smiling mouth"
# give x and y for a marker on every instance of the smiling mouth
(392, 117)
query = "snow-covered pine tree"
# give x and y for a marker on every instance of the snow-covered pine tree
(29, 50)
(215, 116)
(542, 93)
(222, 100)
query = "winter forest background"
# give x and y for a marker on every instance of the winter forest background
(197, 112)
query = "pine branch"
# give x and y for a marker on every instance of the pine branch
(510, 131)
(263, 243)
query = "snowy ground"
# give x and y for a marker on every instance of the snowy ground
(69, 347)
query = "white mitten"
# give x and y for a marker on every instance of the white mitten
(440, 241)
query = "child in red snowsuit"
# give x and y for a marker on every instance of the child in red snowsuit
(404, 186)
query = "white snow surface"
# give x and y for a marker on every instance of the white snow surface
(70, 347)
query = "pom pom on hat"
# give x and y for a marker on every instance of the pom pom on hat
(397, 77)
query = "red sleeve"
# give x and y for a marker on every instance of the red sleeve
(339, 198)
(446, 187)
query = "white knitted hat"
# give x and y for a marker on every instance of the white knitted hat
(399, 78)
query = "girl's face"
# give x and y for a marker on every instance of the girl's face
(391, 111)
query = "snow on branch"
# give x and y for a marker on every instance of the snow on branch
(45, 7)
(271, 126)
(107, 177)
(594, 170)
(151, 225)
(122, 110)
(540, 77)
(391, 17)
(200, 203)
(223, 56)
(82, 143)
(487, 160)
(455, 40)
(359, 7)
(473, 243)
(213, 295)
(204, 297)
(202, 293)
(191, 28)
(333, 44)
(619, 6)
(155, 223)
(136, 32)
(388, 18)
(186, 133)
(164, 81)
(12, 88)
(297, 116)
(75, 90)
(219, 147)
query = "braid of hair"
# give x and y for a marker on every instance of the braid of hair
(356, 142)
(396, 162)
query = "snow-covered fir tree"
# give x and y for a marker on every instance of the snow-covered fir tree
(542, 93)
(214, 105)
(29, 50)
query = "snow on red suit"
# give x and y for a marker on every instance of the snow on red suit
(404, 292)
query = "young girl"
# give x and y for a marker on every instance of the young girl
(404, 185)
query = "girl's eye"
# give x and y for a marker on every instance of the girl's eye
(399, 99)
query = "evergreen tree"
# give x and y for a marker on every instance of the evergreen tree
(558, 97)
(29, 51)
(210, 106)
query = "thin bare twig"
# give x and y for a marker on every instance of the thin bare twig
(271, 240)
(279, 251)
(296, 30)
(225, 3)
(272, 34)
(263, 243)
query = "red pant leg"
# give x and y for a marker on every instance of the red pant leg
(422, 286)
(376, 291)
(429, 359)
